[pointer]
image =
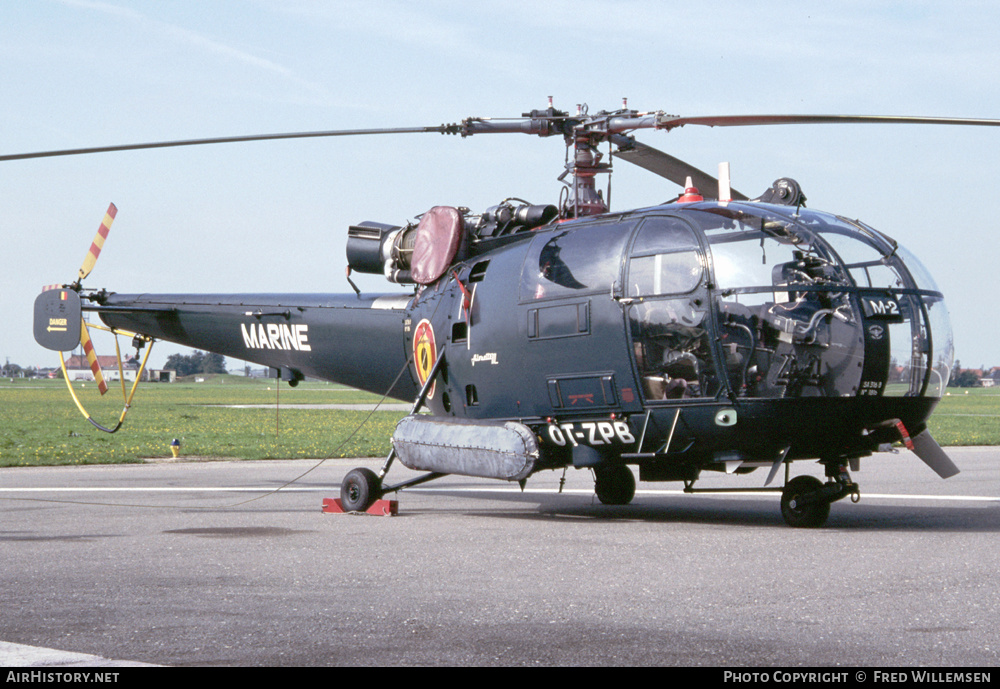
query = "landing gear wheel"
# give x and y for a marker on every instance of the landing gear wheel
(614, 485)
(799, 513)
(359, 490)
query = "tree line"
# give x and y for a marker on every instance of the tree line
(198, 362)
(969, 377)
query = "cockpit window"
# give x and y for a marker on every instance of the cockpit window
(865, 254)
(788, 324)
(669, 321)
(664, 274)
(663, 233)
(665, 258)
(921, 276)
(760, 249)
(571, 261)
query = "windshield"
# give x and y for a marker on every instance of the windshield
(921, 341)
(809, 304)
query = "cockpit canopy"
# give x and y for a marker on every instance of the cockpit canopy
(852, 294)
(770, 300)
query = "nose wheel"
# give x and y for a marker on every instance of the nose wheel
(802, 504)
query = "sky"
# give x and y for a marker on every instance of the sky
(273, 216)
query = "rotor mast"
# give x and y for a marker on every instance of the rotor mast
(584, 197)
(583, 134)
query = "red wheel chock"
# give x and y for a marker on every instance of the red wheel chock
(380, 508)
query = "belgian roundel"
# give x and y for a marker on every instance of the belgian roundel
(424, 352)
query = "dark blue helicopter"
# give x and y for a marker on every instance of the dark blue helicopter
(705, 334)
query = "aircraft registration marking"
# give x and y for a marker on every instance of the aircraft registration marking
(590, 433)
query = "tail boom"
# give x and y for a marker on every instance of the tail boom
(356, 341)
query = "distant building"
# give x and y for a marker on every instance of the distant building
(160, 375)
(77, 368)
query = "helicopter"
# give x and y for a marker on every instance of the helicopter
(711, 333)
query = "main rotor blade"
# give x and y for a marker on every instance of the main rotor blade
(674, 169)
(441, 129)
(670, 122)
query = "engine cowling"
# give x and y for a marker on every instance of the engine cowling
(421, 253)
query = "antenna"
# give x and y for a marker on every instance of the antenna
(725, 190)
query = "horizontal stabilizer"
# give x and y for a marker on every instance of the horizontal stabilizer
(927, 449)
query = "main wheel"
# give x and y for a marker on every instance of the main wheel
(797, 513)
(359, 490)
(614, 485)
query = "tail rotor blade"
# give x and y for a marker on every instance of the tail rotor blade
(95, 248)
(88, 350)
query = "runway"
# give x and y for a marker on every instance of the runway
(205, 564)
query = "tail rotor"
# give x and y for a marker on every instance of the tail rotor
(61, 327)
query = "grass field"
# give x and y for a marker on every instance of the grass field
(967, 416)
(40, 425)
